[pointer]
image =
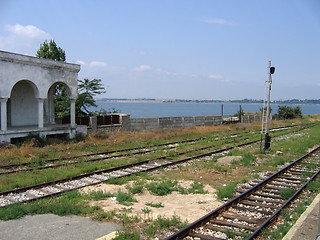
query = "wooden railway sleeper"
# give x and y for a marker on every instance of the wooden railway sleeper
(243, 218)
(221, 229)
(204, 237)
(262, 199)
(232, 224)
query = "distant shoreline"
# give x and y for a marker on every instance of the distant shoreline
(203, 101)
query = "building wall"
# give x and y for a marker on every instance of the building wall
(43, 73)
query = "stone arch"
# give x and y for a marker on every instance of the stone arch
(22, 105)
(50, 111)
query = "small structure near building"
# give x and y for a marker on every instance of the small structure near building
(27, 88)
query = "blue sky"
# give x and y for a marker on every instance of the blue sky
(190, 49)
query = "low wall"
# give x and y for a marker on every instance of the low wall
(139, 124)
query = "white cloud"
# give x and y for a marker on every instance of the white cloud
(28, 31)
(22, 39)
(142, 68)
(98, 64)
(217, 21)
(93, 64)
(215, 76)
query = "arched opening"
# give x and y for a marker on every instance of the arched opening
(23, 105)
(57, 105)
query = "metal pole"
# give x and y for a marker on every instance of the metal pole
(222, 109)
(267, 137)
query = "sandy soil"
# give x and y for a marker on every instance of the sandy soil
(188, 207)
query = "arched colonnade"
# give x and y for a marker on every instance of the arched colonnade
(27, 87)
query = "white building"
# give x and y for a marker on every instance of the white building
(27, 86)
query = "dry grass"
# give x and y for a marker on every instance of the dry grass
(117, 139)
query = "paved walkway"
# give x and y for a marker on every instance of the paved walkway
(53, 227)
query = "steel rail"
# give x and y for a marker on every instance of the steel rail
(114, 169)
(103, 158)
(205, 219)
(129, 149)
(47, 163)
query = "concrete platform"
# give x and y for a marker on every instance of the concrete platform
(53, 227)
(308, 225)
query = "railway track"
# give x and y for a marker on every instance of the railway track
(108, 155)
(54, 163)
(255, 208)
(33, 192)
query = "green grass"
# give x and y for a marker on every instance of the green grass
(290, 217)
(162, 188)
(155, 205)
(125, 198)
(226, 192)
(247, 159)
(164, 223)
(136, 187)
(197, 188)
(98, 195)
(314, 186)
(69, 203)
(127, 235)
(287, 193)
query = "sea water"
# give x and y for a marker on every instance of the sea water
(158, 109)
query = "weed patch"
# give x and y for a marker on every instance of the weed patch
(164, 223)
(247, 159)
(227, 191)
(125, 198)
(155, 205)
(127, 235)
(162, 188)
(287, 193)
(136, 187)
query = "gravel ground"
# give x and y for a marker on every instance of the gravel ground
(308, 225)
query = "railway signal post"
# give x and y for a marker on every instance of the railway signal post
(266, 113)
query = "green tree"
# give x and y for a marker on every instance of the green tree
(87, 89)
(51, 51)
(61, 99)
(286, 112)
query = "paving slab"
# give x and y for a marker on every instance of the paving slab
(53, 227)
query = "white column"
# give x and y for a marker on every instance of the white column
(4, 123)
(73, 112)
(40, 112)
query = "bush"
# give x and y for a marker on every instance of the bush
(285, 112)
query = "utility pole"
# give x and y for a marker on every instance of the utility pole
(266, 113)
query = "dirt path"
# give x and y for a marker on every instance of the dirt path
(188, 207)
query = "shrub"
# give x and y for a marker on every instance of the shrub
(285, 112)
